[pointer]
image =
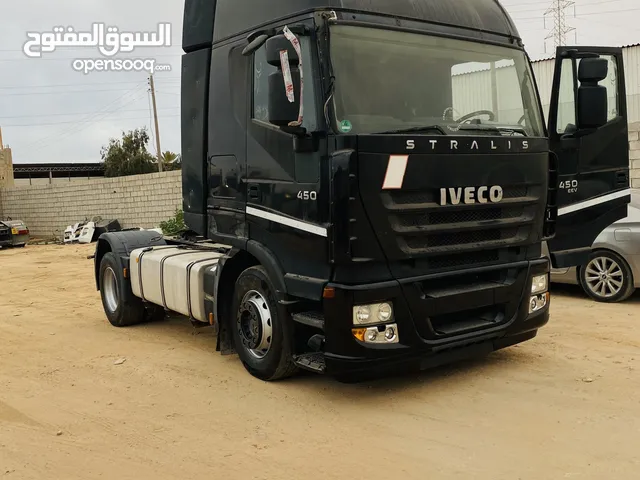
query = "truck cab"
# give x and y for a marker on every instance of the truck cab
(374, 181)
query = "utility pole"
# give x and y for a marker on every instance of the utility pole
(557, 11)
(155, 116)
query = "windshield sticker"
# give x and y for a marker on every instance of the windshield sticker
(345, 126)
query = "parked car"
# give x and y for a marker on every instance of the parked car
(612, 273)
(13, 233)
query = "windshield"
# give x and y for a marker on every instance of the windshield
(392, 81)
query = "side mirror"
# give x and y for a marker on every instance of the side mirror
(592, 97)
(282, 110)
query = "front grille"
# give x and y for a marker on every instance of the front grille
(439, 218)
(463, 259)
(458, 235)
(462, 238)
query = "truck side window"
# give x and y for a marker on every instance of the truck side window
(566, 99)
(611, 82)
(261, 72)
(567, 103)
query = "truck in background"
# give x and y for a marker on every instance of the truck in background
(350, 209)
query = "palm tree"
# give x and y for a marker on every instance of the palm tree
(171, 160)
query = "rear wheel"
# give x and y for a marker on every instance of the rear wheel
(607, 277)
(261, 327)
(122, 313)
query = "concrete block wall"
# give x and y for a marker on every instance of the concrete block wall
(135, 201)
(6, 166)
(634, 154)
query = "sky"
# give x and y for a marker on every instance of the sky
(51, 113)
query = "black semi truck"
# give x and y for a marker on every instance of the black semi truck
(368, 184)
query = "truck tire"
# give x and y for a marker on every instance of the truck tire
(122, 313)
(262, 328)
(607, 277)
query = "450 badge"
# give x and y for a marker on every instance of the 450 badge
(569, 186)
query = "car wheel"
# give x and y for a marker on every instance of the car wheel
(262, 327)
(607, 277)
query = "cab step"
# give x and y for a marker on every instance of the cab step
(314, 362)
(312, 319)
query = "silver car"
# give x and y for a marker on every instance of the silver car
(613, 271)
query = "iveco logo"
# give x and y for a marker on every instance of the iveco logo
(470, 195)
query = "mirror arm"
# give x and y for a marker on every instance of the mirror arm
(298, 131)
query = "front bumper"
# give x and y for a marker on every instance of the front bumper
(440, 318)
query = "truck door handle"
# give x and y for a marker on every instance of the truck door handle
(622, 179)
(254, 192)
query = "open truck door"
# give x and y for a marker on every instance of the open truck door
(588, 136)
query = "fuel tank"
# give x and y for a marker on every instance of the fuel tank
(173, 277)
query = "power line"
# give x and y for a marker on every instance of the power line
(64, 92)
(32, 125)
(578, 15)
(509, 6)
(90, 120)
(171, 79)
(40, 115)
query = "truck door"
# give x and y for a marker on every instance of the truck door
(589, 141)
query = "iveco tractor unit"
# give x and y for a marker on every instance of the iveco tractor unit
(368, 184)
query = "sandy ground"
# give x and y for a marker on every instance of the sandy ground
(565, 405)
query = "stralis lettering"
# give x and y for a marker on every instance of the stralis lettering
(471, 195)
(457, 145)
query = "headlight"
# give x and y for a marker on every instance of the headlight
(372, 314)
(539, 284)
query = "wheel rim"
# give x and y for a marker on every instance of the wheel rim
(110, 289)
(604, 277)
(254, 324)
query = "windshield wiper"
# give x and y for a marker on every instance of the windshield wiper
(490, 128)
(436, 128)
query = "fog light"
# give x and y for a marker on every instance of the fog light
(390, 334)
(383, 334)
(539, 284)
(538, 302)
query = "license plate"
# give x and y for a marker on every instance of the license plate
(14, 231)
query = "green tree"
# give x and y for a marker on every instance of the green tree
(129, 155)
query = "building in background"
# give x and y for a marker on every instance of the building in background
(6, 165)
(543, 70)
(494, 87)
(48, 173)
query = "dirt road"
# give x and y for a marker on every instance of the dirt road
(565, 405)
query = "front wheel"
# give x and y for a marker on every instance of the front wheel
(607, 277)
(261, 327)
